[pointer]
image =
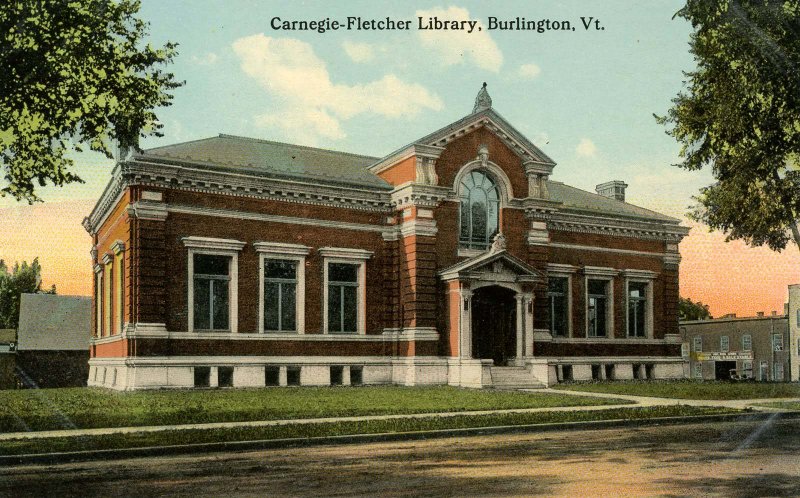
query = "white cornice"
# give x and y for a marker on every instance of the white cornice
(344, 253)
(281, 248)
(212, 243)
(410, 194)
(600, 271)
(642, 274)
(148, 210)
(617, 226)
(561, 268)
(118, 246)
(422, 227)
(417, 149)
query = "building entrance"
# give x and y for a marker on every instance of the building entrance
(494, 319)
(722, 369)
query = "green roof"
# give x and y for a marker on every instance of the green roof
(253, 156)
(580, 200)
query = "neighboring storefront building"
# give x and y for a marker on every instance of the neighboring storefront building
(232, 261)
(739, 348)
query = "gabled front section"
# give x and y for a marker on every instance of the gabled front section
(455, 259)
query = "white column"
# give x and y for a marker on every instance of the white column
(520, 328)
(465, 331)
(528, 306)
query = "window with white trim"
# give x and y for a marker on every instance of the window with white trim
(108, 286)
(212, 284)
(777, 342)
(98, 300)
(479, 212)
(558, 294)
(637, 309)
(343, 297)
(280, 295)
(724, 344)
(747, 343)
(698, 370)
(119, 286)
(282, 286)
(597, 308)
(697, 344)
(777, 371)
(747, 369)
(344, 300)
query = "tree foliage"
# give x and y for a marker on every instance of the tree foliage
(75, 73)
(689, 310)
(739, 114)
(23, 279)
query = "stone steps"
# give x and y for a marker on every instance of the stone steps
(514, 378)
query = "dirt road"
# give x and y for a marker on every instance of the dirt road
(724, 459)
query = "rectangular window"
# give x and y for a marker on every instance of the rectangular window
(225, 376)
(558, 292)
(98, 304)
(337, 375)
(202, 376)
(764, 370)
(108, 286)
(211, 292)
(293, 376)
(747, 343)
(698, 370)
(597, 309)
(685, 349)
(777, 371)
(343, 297)
(280, 295)
(697, 344)
(272, 376)
(356, 376)
(724, 344)
(777, 342)
(119, 292)
(798, 318)
(637, 309)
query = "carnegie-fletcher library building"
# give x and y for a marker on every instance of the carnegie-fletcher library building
(237, 262)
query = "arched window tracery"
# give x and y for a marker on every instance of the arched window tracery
(479, 211)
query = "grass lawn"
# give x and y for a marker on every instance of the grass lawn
(690, 389)
(52, 409)
(190, 436)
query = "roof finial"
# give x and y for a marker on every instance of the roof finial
(483, 101)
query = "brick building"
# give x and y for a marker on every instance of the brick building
(755, 347)
(455, 260)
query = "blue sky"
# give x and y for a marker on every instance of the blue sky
(586, 97)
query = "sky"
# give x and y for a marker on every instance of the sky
(586, 97)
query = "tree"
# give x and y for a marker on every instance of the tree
(688, 310)
(75, 74)
(23, 279)
(739, 114)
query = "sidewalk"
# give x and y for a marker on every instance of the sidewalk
(739, 404)
(638, 401)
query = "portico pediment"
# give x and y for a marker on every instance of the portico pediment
(492, 266)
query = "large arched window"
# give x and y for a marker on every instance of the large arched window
(480, 202)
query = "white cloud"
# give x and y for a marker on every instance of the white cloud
(454, 47)
(529, 71)
(290, 71)
(359, 52)
(586, 148)
(207, 59)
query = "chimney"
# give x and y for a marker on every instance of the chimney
(786, 309)
(759, 314)
(729, 315)
(615, 189)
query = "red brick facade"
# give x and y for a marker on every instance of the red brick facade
(418, 277)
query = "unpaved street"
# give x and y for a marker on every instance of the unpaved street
(725, 459)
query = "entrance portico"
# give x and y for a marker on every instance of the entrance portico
(491, 316)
